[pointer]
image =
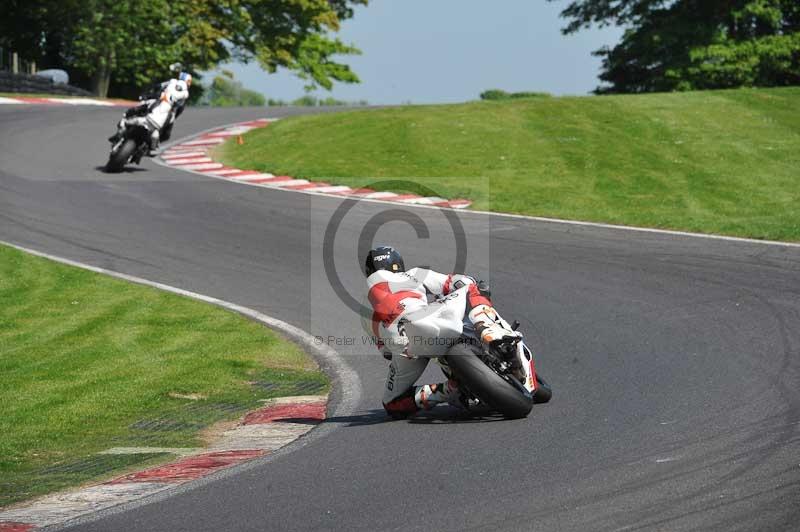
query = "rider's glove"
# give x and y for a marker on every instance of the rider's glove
(484, 290)
(140, 110)
(401, 340)
(460, 281)
(393, 340)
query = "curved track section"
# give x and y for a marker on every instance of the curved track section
(675, 361)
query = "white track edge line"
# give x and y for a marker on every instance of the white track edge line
(347, 387)
(578, 223)
(307, 340)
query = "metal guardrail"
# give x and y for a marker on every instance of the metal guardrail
(18, 75)
(27, 83)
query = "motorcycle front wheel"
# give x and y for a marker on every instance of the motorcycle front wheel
(117, 159)
(492, 389)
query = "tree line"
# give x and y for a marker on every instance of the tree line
(673, 45)
(116, 47)
(225, 91)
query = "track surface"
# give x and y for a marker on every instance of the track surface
(675, 361)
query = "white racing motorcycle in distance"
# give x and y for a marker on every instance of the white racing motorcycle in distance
(501, 376)
(134, 142)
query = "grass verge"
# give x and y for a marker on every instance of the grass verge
(725, 162)
(89, 362)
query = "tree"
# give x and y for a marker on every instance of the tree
(307, 100)
(694, 44)
(227, 92)
(131, 42)
(499, 95)
(38, 30)
(126, 39)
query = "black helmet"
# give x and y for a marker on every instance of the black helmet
(384, 258)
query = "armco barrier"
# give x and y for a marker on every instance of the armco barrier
(26, 83)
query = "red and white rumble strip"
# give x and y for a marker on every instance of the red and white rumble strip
(258, 433)
(192, 155)
(21, 100)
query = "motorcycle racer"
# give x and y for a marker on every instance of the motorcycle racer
(158, 112)
(394, 293)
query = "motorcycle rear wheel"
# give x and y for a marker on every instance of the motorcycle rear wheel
(492, 389)
(117, 159)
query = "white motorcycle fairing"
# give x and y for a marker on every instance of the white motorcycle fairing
(435, 328)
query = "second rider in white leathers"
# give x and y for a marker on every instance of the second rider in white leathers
(394, 294)
(158, 113)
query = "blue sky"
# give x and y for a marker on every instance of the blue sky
(437, 51)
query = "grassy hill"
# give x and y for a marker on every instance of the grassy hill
(723, 162)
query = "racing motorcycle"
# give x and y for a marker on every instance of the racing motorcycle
(134, 142)
(132, 145)
(501, 376)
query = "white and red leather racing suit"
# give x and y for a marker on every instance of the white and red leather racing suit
(394, 295)
(159, 112)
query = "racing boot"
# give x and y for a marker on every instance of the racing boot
(430, 395)
(116, 137)
(490, 326)
(403, 406)
(426, 397)
(495, 332)
(154, 142)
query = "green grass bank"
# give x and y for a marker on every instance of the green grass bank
(89, 362)
(725, 162)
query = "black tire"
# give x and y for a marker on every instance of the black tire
(117, 159)
(501, 395)
(543, 392)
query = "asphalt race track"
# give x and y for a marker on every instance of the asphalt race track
(675, 361)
